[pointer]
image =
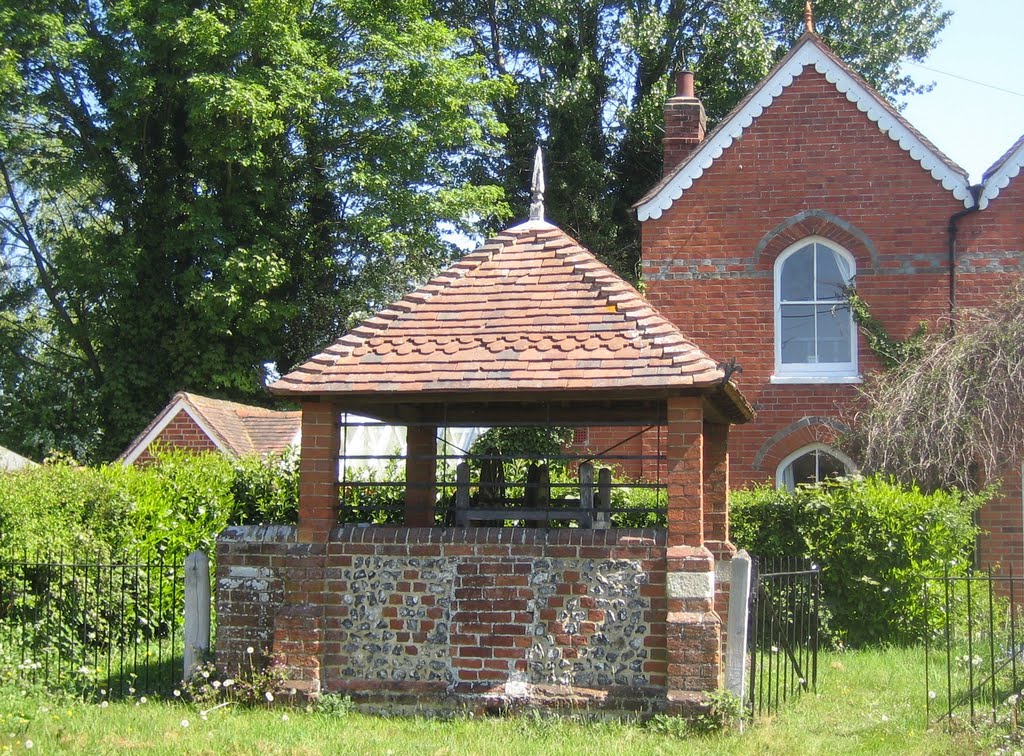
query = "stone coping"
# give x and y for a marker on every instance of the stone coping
(401, 535)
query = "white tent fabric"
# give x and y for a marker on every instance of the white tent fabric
(368, 444)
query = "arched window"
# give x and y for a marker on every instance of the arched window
(815, 341)
(812, 464)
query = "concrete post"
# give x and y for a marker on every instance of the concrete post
(739, 607)
(197, 611)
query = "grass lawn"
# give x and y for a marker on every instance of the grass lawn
(867, 702)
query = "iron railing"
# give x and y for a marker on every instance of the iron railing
(974, 658)
(104, 626)
(785, 601)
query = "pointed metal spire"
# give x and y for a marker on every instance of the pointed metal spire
(809, 16)
(537, 188)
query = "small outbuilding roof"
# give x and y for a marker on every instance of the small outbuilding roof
(530, 311)
(235, 429)
(11, 461)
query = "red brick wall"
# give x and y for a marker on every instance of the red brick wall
(811, 150)
(181, 432)
(991, 244)
(708, 262)
(493, 616)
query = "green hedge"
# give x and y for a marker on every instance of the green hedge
(875, 542)
(177, 504)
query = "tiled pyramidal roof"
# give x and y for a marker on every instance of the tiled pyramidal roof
(529, 310)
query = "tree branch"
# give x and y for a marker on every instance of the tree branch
(46, 280)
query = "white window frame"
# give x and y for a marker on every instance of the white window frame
(789, 459)
(821, 372)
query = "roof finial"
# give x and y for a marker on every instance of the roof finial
(809, 16)
(537, 188)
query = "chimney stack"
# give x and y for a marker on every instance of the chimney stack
(685, 122)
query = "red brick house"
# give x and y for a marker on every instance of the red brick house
(812, 182)
(199, 423)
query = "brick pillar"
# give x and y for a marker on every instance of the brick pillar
(420, 476)
(693, 629)
(298, 644)
(685, 461)
(716, 482)
(716, 513)
(318, 471)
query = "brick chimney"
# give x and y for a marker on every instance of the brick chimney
(685, 122)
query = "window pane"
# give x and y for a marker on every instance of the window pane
(833, 273)
(834, 328)
(798, 334)
(805, 469)
(829, 466)
(812, 467)
(797, 276)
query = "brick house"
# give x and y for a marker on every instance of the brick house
(201, 424)
(814, 181)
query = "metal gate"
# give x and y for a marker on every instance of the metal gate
(785, 599)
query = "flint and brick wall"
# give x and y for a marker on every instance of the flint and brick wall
(439, 619)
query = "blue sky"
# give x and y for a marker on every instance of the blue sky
(971, 123)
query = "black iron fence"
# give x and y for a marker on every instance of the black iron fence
(102, 626)
(974, 661)
(785, 602)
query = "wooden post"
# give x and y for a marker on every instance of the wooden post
(604, 499)
(587, 495)
(461, 494)
(197, 611)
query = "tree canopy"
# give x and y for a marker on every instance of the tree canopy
(592, 77)
(192, 192)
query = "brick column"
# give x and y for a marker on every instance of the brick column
(420, 476)
(685, 460)
(693, 629)
(716, 482)
(716, 513)
(318, 471)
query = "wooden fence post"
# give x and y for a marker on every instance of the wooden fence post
(197, 610)
(739, 608)
(462, 495)
(603, 516)
(587, 495)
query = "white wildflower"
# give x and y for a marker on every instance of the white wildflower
(184, 723)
